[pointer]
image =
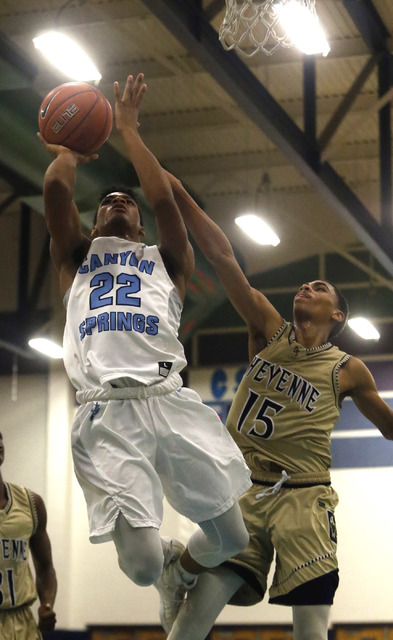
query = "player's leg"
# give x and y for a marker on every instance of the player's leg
(139, 551)
(205, 478)
(20, 623)
(311, 622)
(216, 540)
(204, 603)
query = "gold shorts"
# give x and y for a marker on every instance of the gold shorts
(18, 623)
(298, 525)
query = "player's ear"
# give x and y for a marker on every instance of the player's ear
(338, 315)
(141, 231)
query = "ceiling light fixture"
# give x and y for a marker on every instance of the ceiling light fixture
(257, 229)
(364, 328)
(65, 54)
(47, 347)
(303, 28)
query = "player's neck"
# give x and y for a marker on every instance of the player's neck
(120, 227)
(310, 335)
(124, 234)
(3, 493)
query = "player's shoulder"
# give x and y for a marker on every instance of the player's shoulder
(354, 365)
(354, 374)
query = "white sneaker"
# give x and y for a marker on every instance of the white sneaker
(170, 585)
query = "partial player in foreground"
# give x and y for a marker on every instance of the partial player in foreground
(23, 528)
(138, 434)
(281, 417)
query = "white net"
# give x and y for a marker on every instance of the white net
(250, 26)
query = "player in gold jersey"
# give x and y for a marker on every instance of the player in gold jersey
(23, 527)
(281, 417)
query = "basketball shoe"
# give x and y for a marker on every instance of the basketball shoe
(170, 585)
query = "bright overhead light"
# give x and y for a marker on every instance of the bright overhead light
(47, 347)
(257, 229)
(302, 27)
(364, 328)
(67, 56)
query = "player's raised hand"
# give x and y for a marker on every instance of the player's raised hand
(127, 105)
(56, 149)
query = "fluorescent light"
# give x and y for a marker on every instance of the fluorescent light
(46, 347)
(302, 27)
(257, 229)
(67, 56)
(364, 328)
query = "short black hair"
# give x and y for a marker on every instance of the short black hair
(118, 188)
(344, 307)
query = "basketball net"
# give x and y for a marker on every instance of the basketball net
(250, 26)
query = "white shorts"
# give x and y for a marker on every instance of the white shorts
(128, 453)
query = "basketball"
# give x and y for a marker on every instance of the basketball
(76, 115)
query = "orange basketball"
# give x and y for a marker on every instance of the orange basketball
(76, 115)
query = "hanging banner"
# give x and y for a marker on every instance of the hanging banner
(216, 383)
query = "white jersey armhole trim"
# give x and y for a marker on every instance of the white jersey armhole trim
(336, 384)
(33, 508)
(278, 333)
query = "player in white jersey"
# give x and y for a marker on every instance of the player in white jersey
(138, 434)
(281, 417)
(23, 528)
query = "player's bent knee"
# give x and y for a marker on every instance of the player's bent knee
(233, 545)
(145, 578)
(240, 540)
(142, 574)
(234, 537)
(140, 567)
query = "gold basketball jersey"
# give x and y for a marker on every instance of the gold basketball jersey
(18, 522)
(286, 407)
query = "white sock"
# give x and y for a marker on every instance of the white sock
(186, 576)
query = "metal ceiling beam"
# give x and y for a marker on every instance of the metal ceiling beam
(310, 98)
(190, 27)
(385, 145)
(369, 24)
(376, 36)
(347, 102)
(213, 8)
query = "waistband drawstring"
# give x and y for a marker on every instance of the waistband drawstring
(275, 488)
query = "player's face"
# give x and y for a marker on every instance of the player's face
(117, 204)
(316, 298)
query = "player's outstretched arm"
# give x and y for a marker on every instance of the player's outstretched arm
(357, 382)
(259, 314)
(172, 233)
(68, 244)
(46, 581)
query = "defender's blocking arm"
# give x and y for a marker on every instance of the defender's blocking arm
(357, 382)
(262, 318)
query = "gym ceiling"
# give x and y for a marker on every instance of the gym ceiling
(305, 140)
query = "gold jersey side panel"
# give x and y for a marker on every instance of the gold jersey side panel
(286, 407)
(18, 522)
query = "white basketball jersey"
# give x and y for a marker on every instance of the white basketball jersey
(123, 314)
